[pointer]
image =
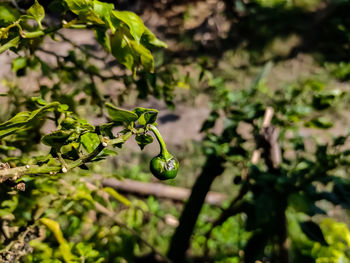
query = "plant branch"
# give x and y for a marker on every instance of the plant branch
(82, 49)
(17, 172)
(83, 69)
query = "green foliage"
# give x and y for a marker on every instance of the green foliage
(124, 42)
(304, 176)
(44, 199)
(67, 215)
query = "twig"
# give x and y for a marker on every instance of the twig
(266, 122)
(81, 48)
(85, 70)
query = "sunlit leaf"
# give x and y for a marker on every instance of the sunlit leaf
(117, 196)
(37, 11)
(134, 22)
(143, 140)
(149, 39)
(120, 115)
(8, 14)
(313, 231)
(19, 63)
(64, 246)
(90, 141)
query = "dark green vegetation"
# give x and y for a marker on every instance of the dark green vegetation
(275, 141)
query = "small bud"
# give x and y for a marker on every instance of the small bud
(64, 170)
(27, 166)
(104, 144)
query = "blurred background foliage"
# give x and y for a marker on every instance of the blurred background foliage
(225, 64)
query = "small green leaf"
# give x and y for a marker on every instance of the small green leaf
(70, 150)
(90, 141)
(64, 246)
(86, 250)
(139, 111)
(320, 122)
(313, 231)
(148, 39)
(19, 63)
(37, 12)
(121, 49)
(103, 10)
(146, 116)
(128, 52)
(134, 22)
(143, 139)
(56, 139)
(103, 38)
(12, 43)
(8, 14)
(120, 115)
(146, 58)
(117, 196)
(85, 10)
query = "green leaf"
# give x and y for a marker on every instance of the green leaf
(8, 14)
(341, 190)
(146, 116)
(64, 246)
(70, 150)
(120, 115)
(85, 10)
(148, 39)
(320, 122)
(12, 43)
(139, 111)
(86, 250)
(121, 50)
(117, 196)
(103, 38)
(302, 203)
(103, 10)
(56, 139)
(22, 119)
(313, 232)
(143, 139)
(19, 63)
(90, 141)
(130, 53)
(37, 12)
(145, 56)
(134, 22)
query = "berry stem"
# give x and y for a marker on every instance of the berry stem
(163, 151)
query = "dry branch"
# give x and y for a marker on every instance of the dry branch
(160, 190)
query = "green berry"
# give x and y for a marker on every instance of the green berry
(164, 168)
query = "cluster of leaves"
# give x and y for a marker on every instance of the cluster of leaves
(74, 143)
(121, 33)
(306, 177)
(45, 192)
(122, 36)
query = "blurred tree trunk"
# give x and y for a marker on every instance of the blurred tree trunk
(181, 238)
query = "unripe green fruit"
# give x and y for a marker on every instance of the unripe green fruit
(164, 168)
